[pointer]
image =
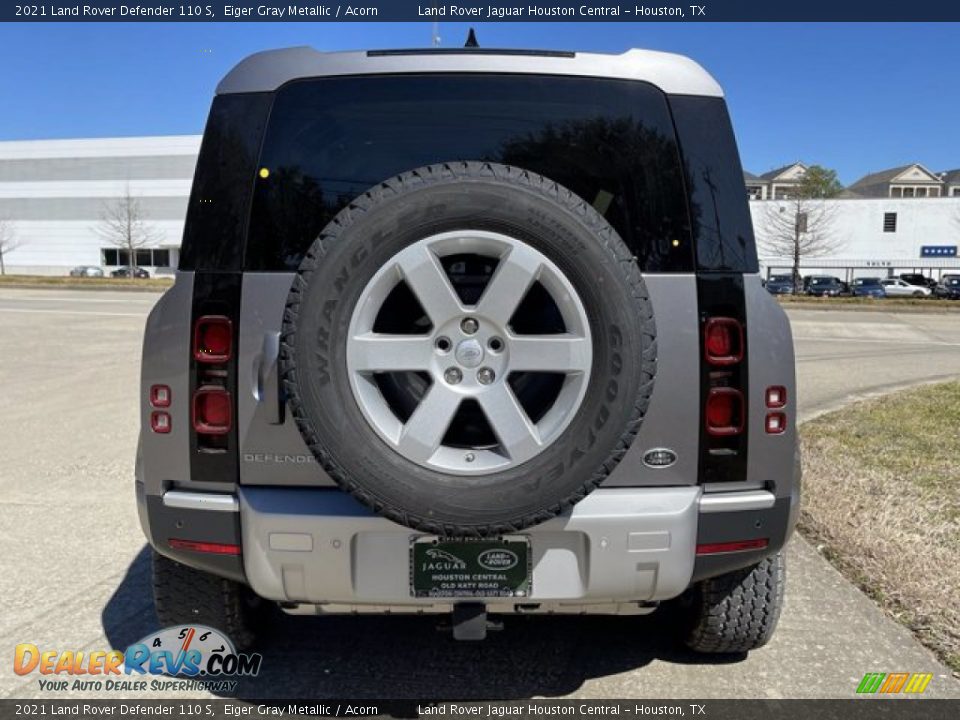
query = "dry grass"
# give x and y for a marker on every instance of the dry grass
(74, 283)
(882, 501)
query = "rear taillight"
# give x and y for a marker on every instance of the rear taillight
(212, 410)
(204, 547)
(723, 341)
(160, 396)
(212, 339)
(160, 422)
(776, 423)
(724, 411)
(734, 546)
(776, 396)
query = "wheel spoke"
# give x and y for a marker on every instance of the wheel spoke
(429, 282)
(550, 353)
(424, 431)
(515, 273)
(517, 435)
(376, 352)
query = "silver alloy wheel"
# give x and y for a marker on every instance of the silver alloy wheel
(492, 352)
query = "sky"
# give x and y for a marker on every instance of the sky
(854, 97)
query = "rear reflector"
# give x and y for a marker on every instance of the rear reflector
(724, 411)
(776, 396)
(723, 341)
(205, 547)
(776, 423)
(160, 396)
(735, 546)
(213, 339)
(212, 410)
(160, 422)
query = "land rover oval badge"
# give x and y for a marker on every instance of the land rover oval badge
(659, 458)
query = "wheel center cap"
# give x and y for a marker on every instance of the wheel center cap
(469, 353)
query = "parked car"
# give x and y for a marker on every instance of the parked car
(868, 287)
(948, 289)
(124, 272)
(434, 396)
(86, 271)
(780, 285)
(825, 286)
(895, 287)
(918, 279)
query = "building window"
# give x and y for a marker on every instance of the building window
(889, 222)
(896, 192)
(955, 192)
(934, 192)
(908, 192)
(921, 192)
(115, 257)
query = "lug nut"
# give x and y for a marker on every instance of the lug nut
(469, 326)
(452, 375)
(485, 376)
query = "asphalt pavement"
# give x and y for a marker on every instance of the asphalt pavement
(76, 569)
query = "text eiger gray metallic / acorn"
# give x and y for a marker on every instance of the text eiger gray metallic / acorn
(469, 332)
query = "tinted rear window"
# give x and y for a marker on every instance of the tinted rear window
(719, 213)
(610, 141)
(215, 229)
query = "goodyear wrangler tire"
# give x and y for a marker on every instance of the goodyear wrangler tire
(468, 349)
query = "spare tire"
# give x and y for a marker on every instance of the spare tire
(468, 349)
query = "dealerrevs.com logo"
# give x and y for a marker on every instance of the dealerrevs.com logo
(200, 655)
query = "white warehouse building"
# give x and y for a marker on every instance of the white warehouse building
(873, 237)
(53, 194)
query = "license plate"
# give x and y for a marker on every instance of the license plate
(469, 568)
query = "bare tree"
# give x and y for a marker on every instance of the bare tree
(798, 229)
(122, 224)
(8, 242)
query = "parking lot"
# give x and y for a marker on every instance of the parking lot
(76, 571)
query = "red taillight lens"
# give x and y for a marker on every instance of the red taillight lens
(160, 396)
(212, 411)
(776, 396)
(204, 547)
(213, 339)
(723, 341)
(160, 422)
(776, 423)
(724, 411)
(735, 546)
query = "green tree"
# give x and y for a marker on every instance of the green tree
(819, 182)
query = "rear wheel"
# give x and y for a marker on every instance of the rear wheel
(918, 294)
(738, 611)
(184, 596)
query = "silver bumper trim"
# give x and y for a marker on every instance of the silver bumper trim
(736, 501)
(201, 501)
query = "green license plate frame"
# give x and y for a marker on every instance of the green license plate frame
(471, 568)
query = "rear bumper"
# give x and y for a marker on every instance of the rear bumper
(618, 550)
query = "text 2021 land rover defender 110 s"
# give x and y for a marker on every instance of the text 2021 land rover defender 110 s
(474, 332)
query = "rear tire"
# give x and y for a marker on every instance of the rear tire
(185, 596)
(918, 294)
(737, 612)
